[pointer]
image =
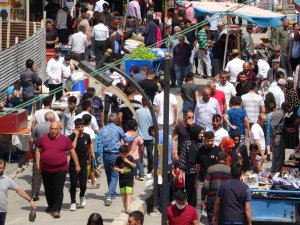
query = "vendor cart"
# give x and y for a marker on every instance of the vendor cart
(275, 206)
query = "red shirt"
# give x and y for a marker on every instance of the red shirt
(181, 217)
(54, 153)
(220, 96)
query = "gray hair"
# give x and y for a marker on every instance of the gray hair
(82, 28)
(49, 116)
(112, 118)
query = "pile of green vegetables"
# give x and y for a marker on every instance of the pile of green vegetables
(143, 53)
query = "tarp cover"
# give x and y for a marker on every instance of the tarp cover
(261, 17)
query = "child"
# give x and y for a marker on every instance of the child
(135, 149)
(255, 160)
(179, 176)
(124, 165)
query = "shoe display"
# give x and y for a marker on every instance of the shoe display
(82, 202)
(108, 201)
(56, 214)
(73, 207)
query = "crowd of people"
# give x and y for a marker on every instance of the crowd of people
(244, 117)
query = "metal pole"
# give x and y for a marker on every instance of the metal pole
(165, 191)
(27, 18)
(226, 44)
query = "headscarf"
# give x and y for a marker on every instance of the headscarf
(291, 96)
(227, 144)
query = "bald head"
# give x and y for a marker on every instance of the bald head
(55, 128)
(262, 119)
(49, 116)
(206, 94)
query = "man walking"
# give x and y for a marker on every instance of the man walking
(79, 42)
(203, 52)
(206, 107)
(51, 159)
(109, 143)
(233, 200)
(247, 43)
(278, 129)
(214, 176)
(82, 144)
(29, 79)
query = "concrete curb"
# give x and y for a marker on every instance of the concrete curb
(137, 205)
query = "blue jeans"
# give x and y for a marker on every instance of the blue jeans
(29, 107)
(2, 218)
(181, 72)
(149, 148)
(139, 169)
(111, 175)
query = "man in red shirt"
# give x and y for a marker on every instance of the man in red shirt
(51, 161)
(181, 213)
(219, 95)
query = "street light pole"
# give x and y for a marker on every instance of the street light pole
(165, 191)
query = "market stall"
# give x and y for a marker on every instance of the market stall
(276, 198)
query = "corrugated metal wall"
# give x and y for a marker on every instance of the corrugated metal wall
(12, 60)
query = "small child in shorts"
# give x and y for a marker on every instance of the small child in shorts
(124, 165)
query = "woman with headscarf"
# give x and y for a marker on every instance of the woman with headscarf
(290, 94)
(239, 153)
(227, 146)
(187, 158)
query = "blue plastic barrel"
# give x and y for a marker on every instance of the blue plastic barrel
(78, 82)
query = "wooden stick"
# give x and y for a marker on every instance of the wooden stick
(27, 18)
(34, 27)
(8, 35)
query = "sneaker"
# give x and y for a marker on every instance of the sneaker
(268, 158)
(56, 214)
(141, 178)
(108, 201)
(73, 207)
(97, 173)
(82, 202)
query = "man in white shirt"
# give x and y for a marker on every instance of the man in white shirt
(206, 107)
(257, 135)
(218, 131)
(234, 66)
(277, 91)
(226, 87)
(159, 109)
(263, 67)
(253, 103)
(99, 6)
(67, 69)
(61, 25)
(54, 72)
(100, 33)
(86, 106)
(79, 42)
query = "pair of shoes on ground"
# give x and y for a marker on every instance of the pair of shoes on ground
(73, 206)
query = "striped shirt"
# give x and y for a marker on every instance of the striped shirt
(6, 184)
(214, 176)
(252, 103)
(202, 39)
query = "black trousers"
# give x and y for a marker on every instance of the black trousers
(63, 36)
(107, 102)
(54, 189)
(81, 177)
(149, 148)
(294, 63)
(36, 181)
(190, 180)
(59, 93)
(210, 203)
(99, 50)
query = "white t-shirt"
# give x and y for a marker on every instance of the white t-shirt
(66, 72)
(90, 132)
(39, 115)
(54, 70)
(228, 90)
(263, 67)
(219, 135)
(159, 102)
(234, 67)
(278, 95)
(94, 124)
(257, 133)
